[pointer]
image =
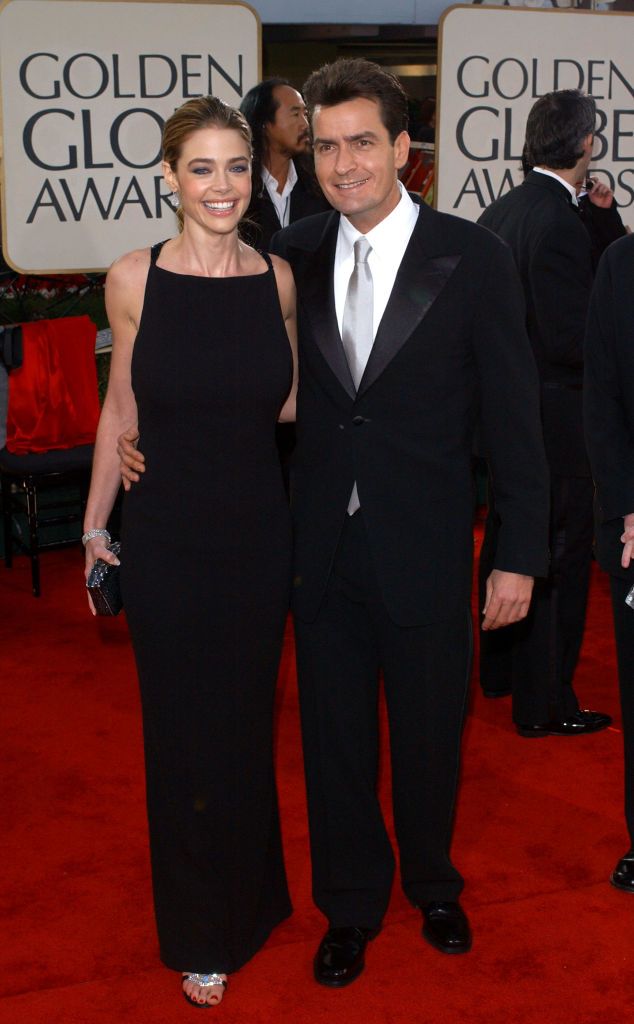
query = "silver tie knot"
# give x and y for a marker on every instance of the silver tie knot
(362, 250)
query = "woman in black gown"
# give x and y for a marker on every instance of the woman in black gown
(203, 355)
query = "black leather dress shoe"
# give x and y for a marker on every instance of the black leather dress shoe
(445, 926)
(341, 955)
(578, 724)
(623, 875)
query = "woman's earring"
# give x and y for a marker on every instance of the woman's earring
(174, 199)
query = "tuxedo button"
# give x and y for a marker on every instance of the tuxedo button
(358, 420)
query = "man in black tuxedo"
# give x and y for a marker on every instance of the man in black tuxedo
(411, 338)
(609, 424)
(284, 185)
(382, 501)
(540, 221)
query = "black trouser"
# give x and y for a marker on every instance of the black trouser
(340, 656)
(538, 656)
(624, 633)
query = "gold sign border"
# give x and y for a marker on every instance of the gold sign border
(564, 12)
(5, 3)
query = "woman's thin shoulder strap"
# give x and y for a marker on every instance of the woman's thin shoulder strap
(155, 250)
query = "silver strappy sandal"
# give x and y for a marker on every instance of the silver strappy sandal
(203, 981)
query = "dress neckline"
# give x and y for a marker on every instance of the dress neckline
(225, 277)
(155, 252)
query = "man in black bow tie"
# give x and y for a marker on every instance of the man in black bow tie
(540, 221)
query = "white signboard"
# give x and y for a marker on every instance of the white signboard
(86, 86)
(494, 65)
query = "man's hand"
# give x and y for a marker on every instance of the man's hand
(132, 462)
(508, 598)
(627, 538)
(600, 194)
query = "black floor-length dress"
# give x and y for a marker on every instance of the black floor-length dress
(205, 577)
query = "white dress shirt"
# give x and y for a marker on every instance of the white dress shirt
(552, 174)
(389, 240)
(281, 200)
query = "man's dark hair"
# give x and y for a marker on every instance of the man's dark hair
(259, 107)
(556, 127)
(356, 78)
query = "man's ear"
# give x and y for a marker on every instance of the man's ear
(401, 150)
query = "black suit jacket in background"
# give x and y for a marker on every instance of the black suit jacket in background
(603, 224)
(450, 354)
(609, 399)
(262, 222)
(552, 252)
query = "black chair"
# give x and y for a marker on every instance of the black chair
(56, 399)
(24, 477)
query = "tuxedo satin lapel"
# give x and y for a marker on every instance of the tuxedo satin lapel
(419, 282)
(318, 300)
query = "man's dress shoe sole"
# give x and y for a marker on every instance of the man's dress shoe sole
(443, 948)
(583, 723)
(621, 886)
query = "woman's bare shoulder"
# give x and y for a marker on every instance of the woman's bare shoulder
(281, 267)
(125, 287)
(283, 274)
(285, 285)
(130, 269)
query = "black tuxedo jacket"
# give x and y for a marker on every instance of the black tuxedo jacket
(450, 354)
(306, 199)
(609, 399)
(552, 251)
(604, 225)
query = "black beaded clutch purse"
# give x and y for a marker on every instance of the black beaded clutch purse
(104, 584)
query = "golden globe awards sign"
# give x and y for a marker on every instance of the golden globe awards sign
(86, 87)
(490, 77)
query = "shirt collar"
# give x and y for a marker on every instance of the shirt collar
(271, 182)
(557, 177)
(398, 224)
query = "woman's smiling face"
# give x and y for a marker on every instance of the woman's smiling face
(213, 178)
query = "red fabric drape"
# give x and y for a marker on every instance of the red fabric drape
(53, 400)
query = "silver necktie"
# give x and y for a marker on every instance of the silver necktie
(358, 325)
(358, 312)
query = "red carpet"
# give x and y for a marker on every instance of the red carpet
(539, 828)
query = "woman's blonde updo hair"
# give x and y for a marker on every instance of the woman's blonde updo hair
(201, 112)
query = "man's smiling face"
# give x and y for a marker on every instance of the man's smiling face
(355, 161)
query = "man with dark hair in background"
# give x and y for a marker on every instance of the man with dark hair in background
(284, 186)
(540, 221)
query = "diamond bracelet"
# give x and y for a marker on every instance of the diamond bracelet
(91, 534)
